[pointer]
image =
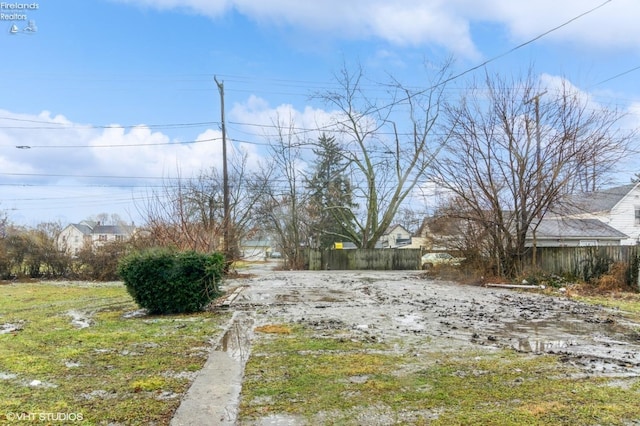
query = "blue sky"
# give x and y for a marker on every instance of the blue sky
(104, 90)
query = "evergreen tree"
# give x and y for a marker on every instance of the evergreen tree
(331, 199)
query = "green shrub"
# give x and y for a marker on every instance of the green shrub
(170, 282)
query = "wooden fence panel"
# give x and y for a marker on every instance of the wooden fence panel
(364, 259)
(582, 262)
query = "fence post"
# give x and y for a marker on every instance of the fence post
(638, 263)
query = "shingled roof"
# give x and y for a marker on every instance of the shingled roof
(599, 201)
(567, 228)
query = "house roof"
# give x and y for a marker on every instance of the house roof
(567, 228)
(86, 229)
(393, 227)
(113, 229)
(256, 243)
(600, 201)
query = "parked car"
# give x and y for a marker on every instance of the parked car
(276, 255)
(432, 259)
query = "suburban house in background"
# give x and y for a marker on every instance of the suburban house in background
(395, 236)
(76, 236)
(601, 218)
(617, 207)
(571, 232)
(255, 249)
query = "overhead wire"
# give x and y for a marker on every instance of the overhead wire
(287, 83)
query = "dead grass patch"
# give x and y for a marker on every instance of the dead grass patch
(274, 329)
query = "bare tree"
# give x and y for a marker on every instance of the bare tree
(282, 207)
(513, 154)
(189, 213)
(387, 143)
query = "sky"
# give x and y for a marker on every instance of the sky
(102, 101)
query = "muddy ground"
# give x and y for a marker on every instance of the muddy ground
(384, 305)
(388, 305)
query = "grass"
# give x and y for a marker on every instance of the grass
(122, 370)
(627, 303)
(333, 380)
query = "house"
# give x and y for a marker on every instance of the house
(395, 236)
(617, 207)
(573, 232)
(76, 236)
(255, 249)
(442, 233)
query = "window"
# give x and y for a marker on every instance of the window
(102, 237)
(637, 208)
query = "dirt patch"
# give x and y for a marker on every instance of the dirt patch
(406, 306)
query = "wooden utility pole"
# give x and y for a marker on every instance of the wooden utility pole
(225, 176)
(536, 100)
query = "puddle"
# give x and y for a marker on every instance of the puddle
(411, 321)
(541, 346)
(312, 296)
(7, 376)
(563, 333)
(11, 327)
(80, 319)
(215, 393)
(135, 314)
(236, 341)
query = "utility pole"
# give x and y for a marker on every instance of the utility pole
(536, 100)
(225, 176)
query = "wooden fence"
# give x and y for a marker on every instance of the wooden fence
(584, 262)
(580, 262)
(375, 259)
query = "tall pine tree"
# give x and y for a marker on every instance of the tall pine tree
(331, 204)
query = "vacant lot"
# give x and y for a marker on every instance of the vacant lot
(381, 348)
(333, 347)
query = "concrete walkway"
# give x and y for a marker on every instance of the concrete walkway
(214, 395)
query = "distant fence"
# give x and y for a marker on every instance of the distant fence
(367, 259)
(584, 262)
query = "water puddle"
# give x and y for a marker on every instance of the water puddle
(214, 395)
(604, 347)
(80, 319)
(562, 333)
(236, 341)
(11, 328)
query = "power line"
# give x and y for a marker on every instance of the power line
(616, 76)
(118, 145)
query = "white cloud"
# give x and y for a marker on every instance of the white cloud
(265, 120)
(74, 171)
(612, 26)
(445, 23)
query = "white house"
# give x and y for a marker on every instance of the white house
(618, 207)
(76, 236)
(255, 249)
(395, 236)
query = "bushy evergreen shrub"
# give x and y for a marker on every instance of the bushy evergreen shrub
(170, 282)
